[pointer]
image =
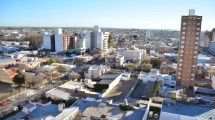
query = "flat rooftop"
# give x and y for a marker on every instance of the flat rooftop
(97, 109)
(41, 112)
(198, 111)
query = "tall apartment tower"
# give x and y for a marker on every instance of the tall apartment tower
(188, 48)
(97, 39)
(58, 41)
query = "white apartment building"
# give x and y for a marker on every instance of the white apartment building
(151, 76)
(58, 40)
(131, 54)
(80, 41)
(97, 39)
(96, 71)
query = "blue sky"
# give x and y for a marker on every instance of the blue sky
(152, 14)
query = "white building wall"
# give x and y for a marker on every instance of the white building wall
(47, 41)
(131, 54)
(58, 42)
(88, 40)
(99, 40)
(213, 82)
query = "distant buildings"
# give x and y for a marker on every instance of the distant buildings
(58, 41)
(188, 48)
(134, 55)
(209, 36)
(114, 60)
(97, 39)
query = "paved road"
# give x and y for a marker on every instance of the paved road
(138, 91)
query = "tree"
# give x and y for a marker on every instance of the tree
(156, 88)
(51, 60)
(19, 79)
(131, 66)
(156, 63)
(61, 68)
(33, 44)
(146, 67)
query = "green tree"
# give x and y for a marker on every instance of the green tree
(61, 68)
(19, 79)
(51, 60)
(131, 66)
(145, 67)
(156, 63)
(156, 88)
(33, 44)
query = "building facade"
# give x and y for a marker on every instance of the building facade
(188, 48)
(58, 41)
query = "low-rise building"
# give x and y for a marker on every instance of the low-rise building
(151, 76)
(96, 71)
(108, 82)
(29, 107)
(7, 61)
(209, 69)
(126, 76)
(180, 111)
(67, 114)
(58, 94)
(135, 55)
(7, 75)
(168, 85)
(114, 60)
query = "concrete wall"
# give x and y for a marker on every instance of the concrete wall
(213, 82)
(58, 42)
(112, 85)
(145, 116)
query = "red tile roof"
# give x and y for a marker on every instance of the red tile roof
(11, 72)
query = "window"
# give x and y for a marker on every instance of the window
(184, 23)
(198, 23)
(183, 37)
(183, 33)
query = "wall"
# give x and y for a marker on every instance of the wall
(145, 116)
(47, 41)
(58, 42)
(112, 85)
(213, 82)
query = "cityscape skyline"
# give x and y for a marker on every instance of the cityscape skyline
(86, 13)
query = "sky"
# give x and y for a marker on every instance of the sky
(145, 14)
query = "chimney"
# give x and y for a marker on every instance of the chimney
(191, 12)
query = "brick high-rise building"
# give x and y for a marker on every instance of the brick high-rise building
(188, 48)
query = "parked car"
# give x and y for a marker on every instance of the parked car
(150, 114)
(6, 102)
(156, 116)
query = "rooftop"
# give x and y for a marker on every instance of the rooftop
(29, 105)
(2, 60)
(190, 110)
(97, 109)
(59, 93)
(65, 113)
